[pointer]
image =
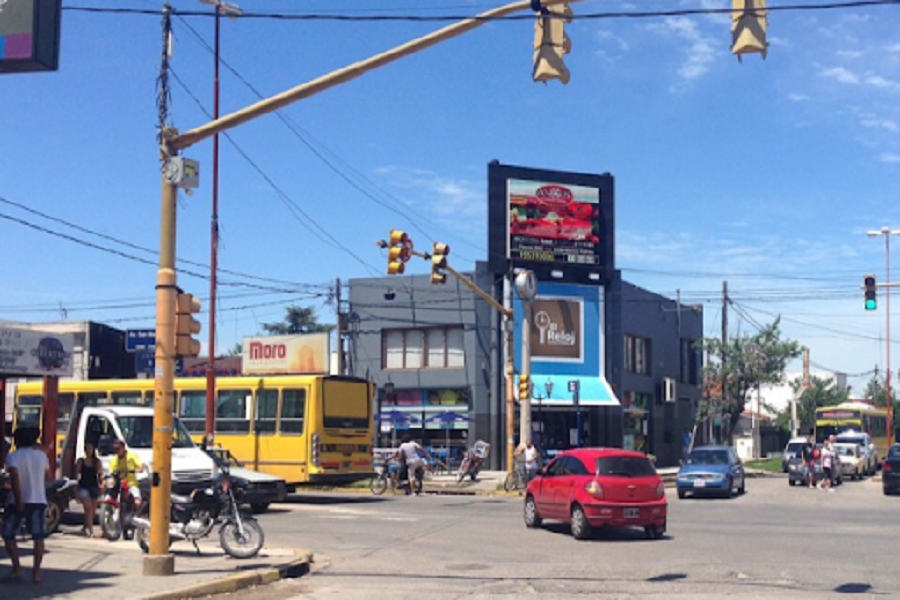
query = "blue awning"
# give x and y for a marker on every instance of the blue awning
(593, 391)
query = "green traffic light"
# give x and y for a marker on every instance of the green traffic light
(871, 304)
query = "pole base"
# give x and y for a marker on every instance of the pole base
(159, 565)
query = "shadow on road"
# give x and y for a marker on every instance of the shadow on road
(607, 534)
(328, 499)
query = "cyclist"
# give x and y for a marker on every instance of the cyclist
(532, 459)
(409, 455)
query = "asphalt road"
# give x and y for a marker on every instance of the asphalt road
(774, 542)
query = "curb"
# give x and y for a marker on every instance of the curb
(233, 583)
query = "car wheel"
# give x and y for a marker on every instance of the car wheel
(581, 529)
(791, 482)
(730, 489)
(743, 489)
(259, 507)
(681, 494)
(653, 532)
(532, 518)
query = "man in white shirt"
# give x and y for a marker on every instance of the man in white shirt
(409, 455)
(29, 472)
(532, 459)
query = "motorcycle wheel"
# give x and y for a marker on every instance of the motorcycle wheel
(54, 516)
(378, 485)
(241, 546)
(110, 524)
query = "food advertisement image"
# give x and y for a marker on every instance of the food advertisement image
(551, 222)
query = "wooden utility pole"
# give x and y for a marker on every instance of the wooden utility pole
(724, 344)
(341, 324)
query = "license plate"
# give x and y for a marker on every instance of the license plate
(699, 483)
(632, 513)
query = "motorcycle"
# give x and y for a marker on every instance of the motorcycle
(194, 517)
(59, 495)
(473, 461)
(116, 509)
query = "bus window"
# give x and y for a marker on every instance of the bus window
(266, 410)
(92, 398)
(128, 398)
(293, 409)
(232, 414)
(193, 411)
(66, 402)
(28, 411)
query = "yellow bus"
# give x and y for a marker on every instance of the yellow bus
(306, 429)
(854, 417)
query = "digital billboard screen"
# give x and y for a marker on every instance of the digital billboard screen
(553, 223)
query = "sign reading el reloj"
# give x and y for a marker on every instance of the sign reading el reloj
(556, 331)
(282, 354)
(35, 353)
(29, 35)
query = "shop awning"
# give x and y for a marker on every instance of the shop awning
(593, 391)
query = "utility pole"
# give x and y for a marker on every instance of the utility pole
(887, 232)
(724, 343)
(341, 324)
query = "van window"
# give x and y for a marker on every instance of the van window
(97, 427)
(266, 410)
(193, 411)
(293, 411)
(138, 432)
(232, 414)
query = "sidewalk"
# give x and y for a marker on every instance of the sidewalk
(77, 567)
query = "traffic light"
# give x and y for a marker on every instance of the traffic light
(439, 262)
(551, 43)
(186, 306)
(524, 387)
(399, 249)
(748, 27)
(871, 296)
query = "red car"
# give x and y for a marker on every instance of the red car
(598, 487)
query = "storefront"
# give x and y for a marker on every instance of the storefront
(437, 418)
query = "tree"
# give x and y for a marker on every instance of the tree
(298, 320)
(876, 393)
(821, 392)
(235, 350)
(750, 361)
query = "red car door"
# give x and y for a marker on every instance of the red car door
(552, 482)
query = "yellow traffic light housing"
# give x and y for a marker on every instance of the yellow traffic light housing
(551, 43)
(439, 263)
(748, 27)
(524, 388)
(185, 325)
(399, 251)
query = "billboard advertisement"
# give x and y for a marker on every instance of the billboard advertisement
(556, 223)
(29, 35)
(307, 353)
(36, 353)
(557, 333)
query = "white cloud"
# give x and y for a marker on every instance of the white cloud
(446, 197)
(895, 47)
(605, 35)
(794, 97)
(878, 123)
(702, 48)
(840, 74)
(890, 158)
(849, 53)
(879, 81)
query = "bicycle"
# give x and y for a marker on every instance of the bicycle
(386, 477)
(517, 480)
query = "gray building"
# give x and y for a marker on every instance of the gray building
(436, 349)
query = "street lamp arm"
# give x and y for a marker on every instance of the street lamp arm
(311, 88)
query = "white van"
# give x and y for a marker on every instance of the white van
(191, 466)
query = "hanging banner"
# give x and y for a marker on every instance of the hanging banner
(307, 353)
(35, 353)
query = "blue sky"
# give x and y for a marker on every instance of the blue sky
(765, 173)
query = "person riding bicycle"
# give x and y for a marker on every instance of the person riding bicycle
(409, 455)
(532, 459)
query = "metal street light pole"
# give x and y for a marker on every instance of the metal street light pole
(887, 232)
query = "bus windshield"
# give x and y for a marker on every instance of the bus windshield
(824, 431)
(138, 432)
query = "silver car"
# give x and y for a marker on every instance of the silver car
(866, 445)
(852, 460)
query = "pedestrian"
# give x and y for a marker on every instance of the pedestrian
(532, 459)
(89, 473)
(29, 472)
(828, 461)
(809, 452)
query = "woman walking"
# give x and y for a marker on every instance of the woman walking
(89, 471)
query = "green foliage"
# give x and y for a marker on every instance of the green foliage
(750, 361)
(298, 320)
(821, 392)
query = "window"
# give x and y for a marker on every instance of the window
(433, 348)
(293, 409)
(232, 414)
(637, 355)
(266, 410)
(574, 466)
(28, 413)
(193, 411)
(127, 398)
(625, 466)
(690, 362)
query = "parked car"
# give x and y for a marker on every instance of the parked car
(713, 470)
(866, 445)
(797, 471)
(259, 489)
(852, 460)
(598, 487)
(890, 471)
(794, 445)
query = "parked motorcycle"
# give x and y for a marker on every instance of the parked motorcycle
(59, 495)
(116, 508)
(194, 517)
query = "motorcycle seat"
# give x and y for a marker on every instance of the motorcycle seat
(57, 485)
(179, 499)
